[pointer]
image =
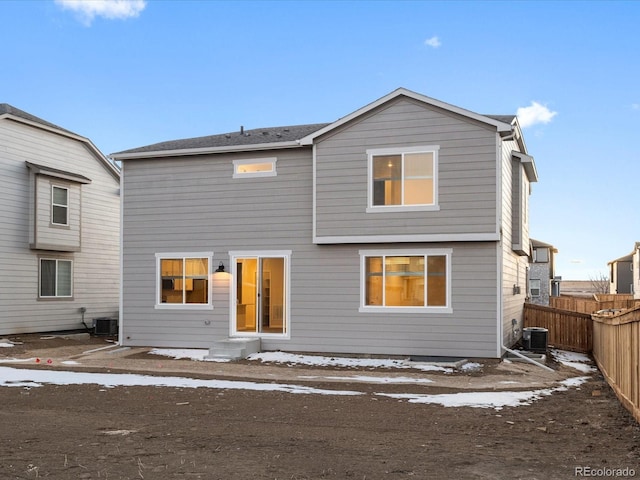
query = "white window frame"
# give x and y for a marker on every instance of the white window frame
(364, 254)
(57, 260)
(371, 208)
(250, 161)
(183, 306)
(233, 255)
(53, 204)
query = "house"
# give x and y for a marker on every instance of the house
(60, 227)
(399, 229)
(543, 282)
(624, 273)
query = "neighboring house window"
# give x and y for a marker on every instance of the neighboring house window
(56, 278)
(184, 280)
(59, 205)
(405, 281)
(404, 179)
(534, 288)
(256, 167)
(541, 255)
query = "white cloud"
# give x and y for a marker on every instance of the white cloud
(534, 114)
(87, 10)
(433, 42)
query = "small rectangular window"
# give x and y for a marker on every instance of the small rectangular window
(256, 167)
(184, 280)
(56, 278)
(405, 280)
(59, 205)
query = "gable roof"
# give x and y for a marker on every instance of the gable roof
(294, 136)
(501, 126)
(12, 113)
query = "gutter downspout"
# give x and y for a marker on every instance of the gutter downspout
(524, 357)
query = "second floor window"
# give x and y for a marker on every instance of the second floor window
(59, 205)
(403, 177)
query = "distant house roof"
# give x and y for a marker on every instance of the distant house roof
(293, 136)
(538, 243)
(10, 112)
(256, 136)
(6, 109)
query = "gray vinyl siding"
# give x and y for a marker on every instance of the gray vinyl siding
(96, 266)
(514, 266)
(466, 178)
(192, 204)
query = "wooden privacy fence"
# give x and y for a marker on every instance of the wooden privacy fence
(593, 303)
(616, 349)
(567, 330)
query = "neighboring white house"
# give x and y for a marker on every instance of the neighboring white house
(401, 228)
(60, 220)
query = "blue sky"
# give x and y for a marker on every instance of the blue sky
(131, 73)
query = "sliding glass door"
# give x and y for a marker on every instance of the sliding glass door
(260, 294)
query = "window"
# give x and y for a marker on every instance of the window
(541, 255)
(403, 179)
(405, 281)
(184, 280)
(56, 278)
(256, 167)
(534, 287)
(59, 205)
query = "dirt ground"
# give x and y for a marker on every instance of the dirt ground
(93, 432)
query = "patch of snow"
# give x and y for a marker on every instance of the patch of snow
(13, 377)
(578, 361)
(186, 353)
(370, 379)
(324, 361)
(496, 400)
(470, 366)
(5, 343)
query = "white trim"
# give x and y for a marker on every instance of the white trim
(67, 206)
(435, 237)
(184, 306)
(314, 191)
(55, 295)
(528, 164)
(424, 252)
(286, 255)
(403, 208)
(252, 161)
(401, 151)
(500, 220)
(499, 299)
(500, 126)
(121, 315)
